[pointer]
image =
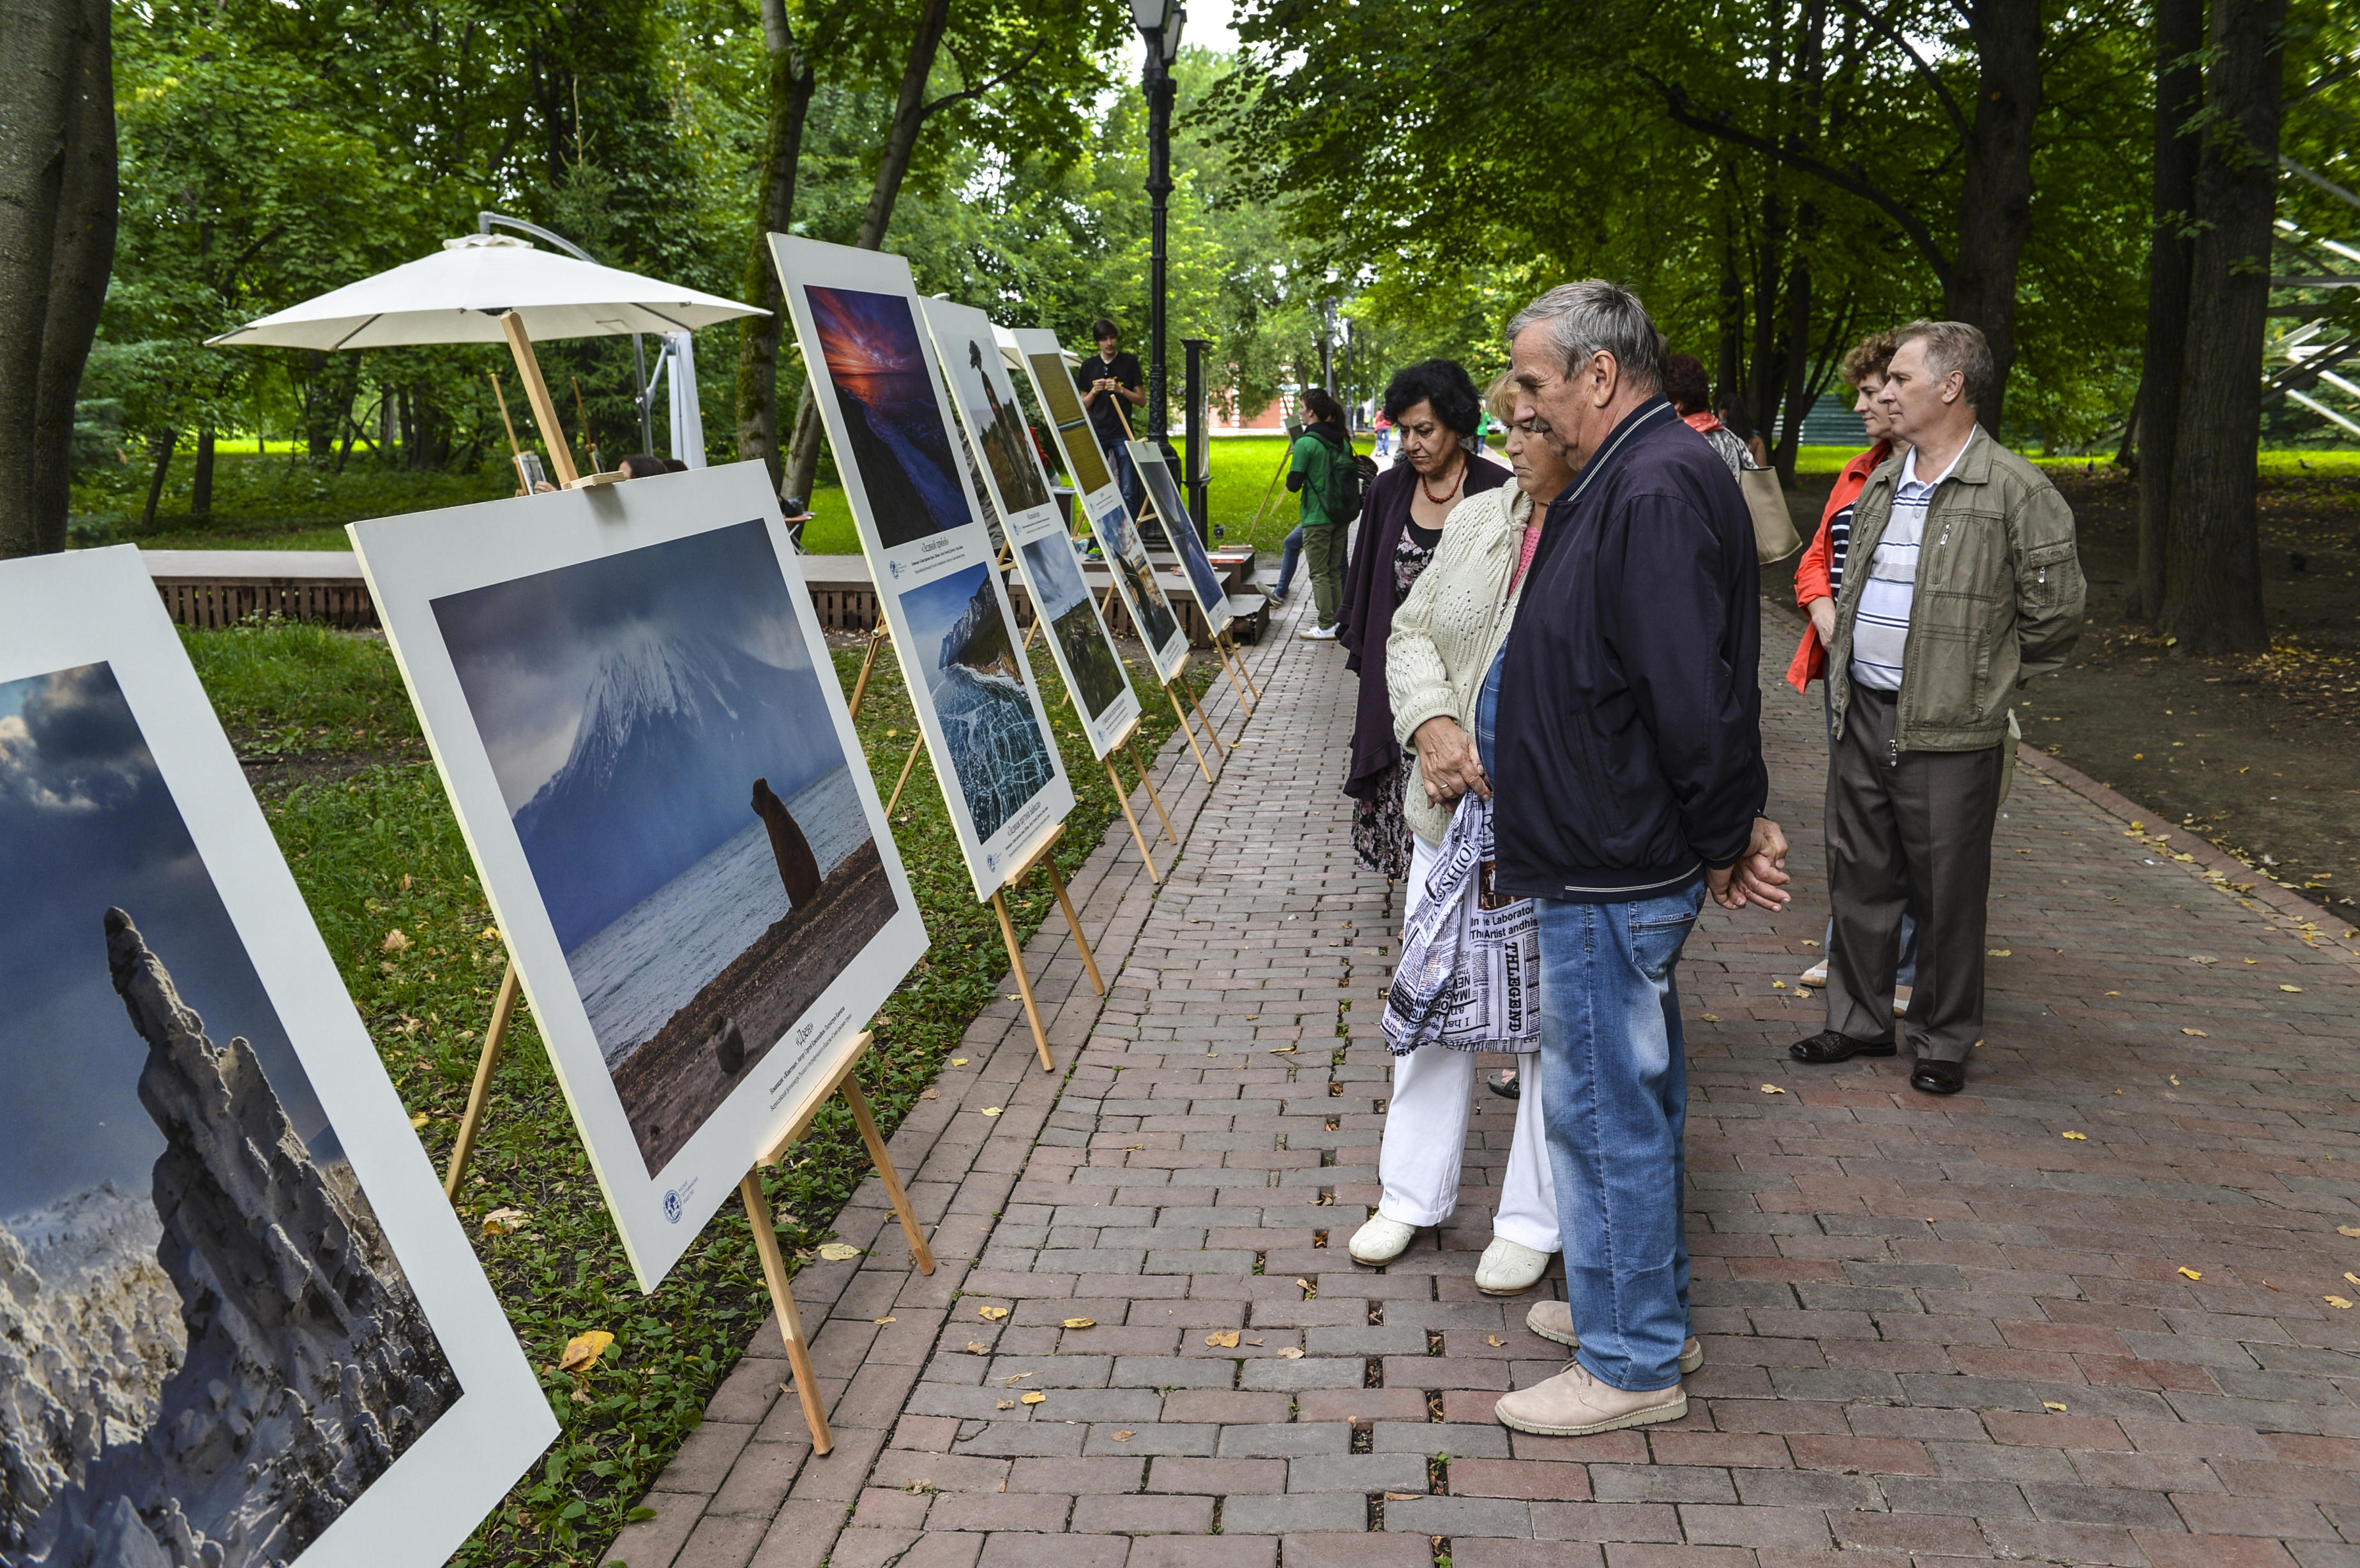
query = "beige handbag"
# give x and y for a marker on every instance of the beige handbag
(1774, 538)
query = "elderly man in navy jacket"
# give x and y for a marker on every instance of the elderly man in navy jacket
(1620, 736)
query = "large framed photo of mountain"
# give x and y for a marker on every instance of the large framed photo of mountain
(638, 725)
(239, 1323)
(1164, 493)
(880, 389)
(1101, 502)
(1019, 486)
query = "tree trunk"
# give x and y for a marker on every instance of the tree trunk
(1995, 196)
(159, 446)
(56, 247)
(2178, 93)
(2212, 570)
(792, 83)
(900, 143)
(1733, 326)
(200, 483)
(1797, 389)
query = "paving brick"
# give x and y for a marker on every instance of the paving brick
(1349, 1550)
(1135, 1514)
(1321, 1512)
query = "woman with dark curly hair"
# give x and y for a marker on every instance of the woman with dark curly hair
(1435, 410)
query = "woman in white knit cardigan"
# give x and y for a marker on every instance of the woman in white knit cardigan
(1445, 636)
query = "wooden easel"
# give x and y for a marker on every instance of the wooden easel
(544, 409)
(1047, 861)
(1122, 798)
(749, 1189)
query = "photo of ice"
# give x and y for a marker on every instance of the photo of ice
(1055, 575)
(208, 1350)
(959, 635)
(892, 420)
(669, 760)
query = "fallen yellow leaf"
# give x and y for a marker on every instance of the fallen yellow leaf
(1493, 1339)
(2191, 1273)
(837, 1251)
(1280, 1049)
(1034, 1398)
(420, 1120)
(2199, 1034)
(880, 1322)
(2052, 1405)
(2350, 1277)
(504, 1221)
(1081, 1322)
(1772, 1089)
(976, 1347)
(1124, 1436)
(1402, 1497)
(991, 1314)
(2076, 1137)
(394, 942)
(2294, 988)
(1291, 1354)
(1999, 951)
(958, 1060)
(1225, 1339)
(2348, 1230)
(490, 933)
(1777, 984)
(992, 1110)
(582, 1352)
(1004, 1404)
(2338, 1302)
(1710, 1018)
(2175, 1079)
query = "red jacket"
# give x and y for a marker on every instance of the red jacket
(1811, 662)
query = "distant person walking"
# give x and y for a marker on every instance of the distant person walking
(1963, 581)
(1113, 377)
(1435, 409)
(1627, 767)
(1319, 469)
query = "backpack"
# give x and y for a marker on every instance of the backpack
(1349, 474)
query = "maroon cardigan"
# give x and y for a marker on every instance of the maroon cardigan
(1367, 619)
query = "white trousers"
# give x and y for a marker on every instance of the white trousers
(1426, 1131)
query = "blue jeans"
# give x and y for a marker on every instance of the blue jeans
(1125, 476)
(1287, 558)
(1614, 1096)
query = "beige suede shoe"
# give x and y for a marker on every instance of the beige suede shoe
(1554, 1319)
(1575, 1404)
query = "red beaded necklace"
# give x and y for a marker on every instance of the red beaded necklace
(1434, 500)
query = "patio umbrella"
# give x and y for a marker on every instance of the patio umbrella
(491, 288)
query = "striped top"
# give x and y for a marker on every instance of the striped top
(1880, 627)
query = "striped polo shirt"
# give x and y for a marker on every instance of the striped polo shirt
(1881, 626)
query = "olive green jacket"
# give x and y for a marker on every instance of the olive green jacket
(1998, 598)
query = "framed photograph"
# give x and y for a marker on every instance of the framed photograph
(938, 587)
(1052, 388)
(1018, 488)
(239, 1322)
(1163, 494)
(636, 720)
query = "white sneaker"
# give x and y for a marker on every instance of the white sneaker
(1318, 634)
(1380, 1241)
(1817, 974)
(1554, 1319)
(1901, 995)
(1509, 1268)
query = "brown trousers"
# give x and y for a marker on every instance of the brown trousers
(1910, 832)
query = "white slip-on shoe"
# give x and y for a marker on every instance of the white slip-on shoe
(1575, 1404)
(1901, 995)
(1554, 1319)
(1381, 1240)
(1817, 974)
(1510, 1268)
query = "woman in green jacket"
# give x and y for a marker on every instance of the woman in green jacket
(1319, 468)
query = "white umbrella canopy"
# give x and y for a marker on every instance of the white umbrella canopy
(458, 294)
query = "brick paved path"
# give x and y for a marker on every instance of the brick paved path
(1934, 1328)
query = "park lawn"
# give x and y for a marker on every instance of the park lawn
(375, 849)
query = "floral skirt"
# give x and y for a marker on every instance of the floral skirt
(1380, 833)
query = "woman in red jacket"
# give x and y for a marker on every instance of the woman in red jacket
(1820, 575)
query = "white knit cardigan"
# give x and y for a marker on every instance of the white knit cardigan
(1451, 628)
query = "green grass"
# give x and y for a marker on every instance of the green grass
(278, 502)
(380, 852)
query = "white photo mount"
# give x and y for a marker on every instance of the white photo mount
(1163, 499)
(1037, 537)
(68, 615)
(493, 608)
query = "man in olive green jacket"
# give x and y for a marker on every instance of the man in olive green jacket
(1964, 582)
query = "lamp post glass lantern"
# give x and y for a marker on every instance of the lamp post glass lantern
(1159, 23)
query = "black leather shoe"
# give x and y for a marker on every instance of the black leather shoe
(1939, 1077)
(1828, 1046)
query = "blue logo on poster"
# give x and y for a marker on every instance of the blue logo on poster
(895, 568)
(671, 1205)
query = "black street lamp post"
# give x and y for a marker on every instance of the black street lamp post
(1159, 23)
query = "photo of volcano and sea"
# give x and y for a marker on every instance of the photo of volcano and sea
(671, 765)
(208, 1350)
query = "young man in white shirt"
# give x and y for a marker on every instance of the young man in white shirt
(1963, 582)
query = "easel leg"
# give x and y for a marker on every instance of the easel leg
(1148, 780)
(876, 634)
(1232, 650)
(1074, 923)
(915, 746)
(1123, 797)
(1211, 732)
(919, 1250)
(1181, 713)
(472, 1122)
(782, 1299)
(1024, 981)
(1228, 667)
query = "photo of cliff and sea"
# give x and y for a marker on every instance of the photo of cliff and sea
(208, 1350)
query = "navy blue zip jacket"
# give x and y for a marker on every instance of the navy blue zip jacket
(1628, 736)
